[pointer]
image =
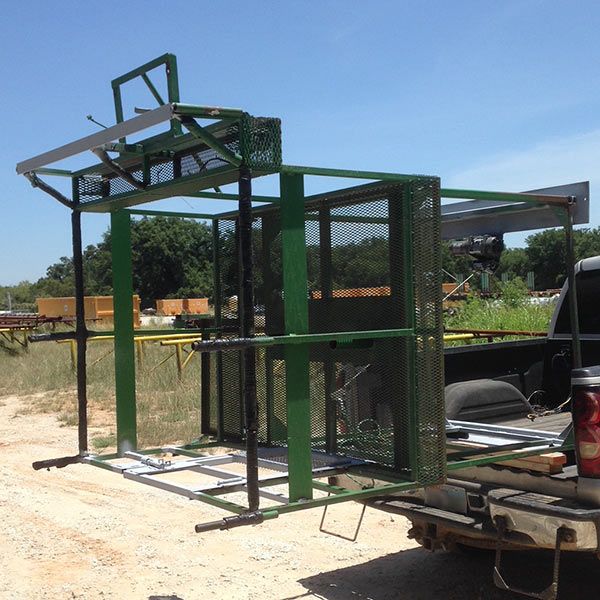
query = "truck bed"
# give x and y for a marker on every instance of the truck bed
(554, 423)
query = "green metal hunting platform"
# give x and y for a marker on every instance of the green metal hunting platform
(285, 395)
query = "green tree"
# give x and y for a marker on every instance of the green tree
(171, 258)
(514, 262)
(547, 253)
(22, 296)
(587, 243)
(547, 257)
(455, 265)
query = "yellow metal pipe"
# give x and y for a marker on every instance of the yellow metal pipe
(73, 355)
(90, 339)
(187, 359)
(455, 337)
(188, 340)
(179, 356)
(142, 338)
(139, 348)
(168, 336)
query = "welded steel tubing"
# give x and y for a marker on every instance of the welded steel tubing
(80, 333)
(573, 309)
(247, 331)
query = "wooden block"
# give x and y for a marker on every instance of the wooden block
(523, 463)
(551, 458)
(549, 462)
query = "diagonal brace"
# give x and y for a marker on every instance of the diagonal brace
(113, 166)
(210, 140)
(37, 182)
(152, 89)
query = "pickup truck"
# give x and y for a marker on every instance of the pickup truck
(504, 507)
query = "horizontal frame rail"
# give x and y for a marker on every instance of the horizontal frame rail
(496, 458)
(505, 196)
(344, 337)
(169, 213)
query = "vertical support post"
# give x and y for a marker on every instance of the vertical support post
(297, 374)
(325, 267)
(485, 282)
(179, 357)
(246, 307)
(218, 310)
(402, 384)
(573, 309)
(139, 347)
(73, 348)
(118, 109)
(173, 88)
(269, 230)
(205, 389)
(80, 328)
(530, 281)
(120, 229)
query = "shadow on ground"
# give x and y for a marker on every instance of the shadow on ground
(419, 575)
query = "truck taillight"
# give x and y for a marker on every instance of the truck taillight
(586, 420)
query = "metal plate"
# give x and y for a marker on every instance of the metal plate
(474, 217)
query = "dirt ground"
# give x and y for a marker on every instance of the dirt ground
(81, 532)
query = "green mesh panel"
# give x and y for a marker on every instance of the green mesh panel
(373, 262)
(256, 139)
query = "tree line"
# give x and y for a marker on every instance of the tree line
(172, 258)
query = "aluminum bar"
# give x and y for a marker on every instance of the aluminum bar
(120, 130)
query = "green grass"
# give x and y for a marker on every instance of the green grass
(103, 442)
(495, 314)
(512, 311)
(168, 408)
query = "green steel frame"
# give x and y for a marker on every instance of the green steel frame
(296, 341)
(169, 62)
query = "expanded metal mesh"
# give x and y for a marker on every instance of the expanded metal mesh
(373, 263)
(256, 139)
(429, 370)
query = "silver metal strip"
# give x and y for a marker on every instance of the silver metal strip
(181, 465)
(503, 433)
(586, 381)
(193, 494)
(161, 484)
(144, 121)
(113, 467)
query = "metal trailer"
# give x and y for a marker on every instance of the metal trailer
(286, 397)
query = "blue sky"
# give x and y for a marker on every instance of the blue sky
(494, 95)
